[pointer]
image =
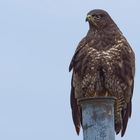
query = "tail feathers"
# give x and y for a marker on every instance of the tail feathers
(100, 79)
(125, 120)
(121, 122)
(118, 126)
(126, 114)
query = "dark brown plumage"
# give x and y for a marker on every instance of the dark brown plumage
(103, 65)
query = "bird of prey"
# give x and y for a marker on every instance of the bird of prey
(103, 65)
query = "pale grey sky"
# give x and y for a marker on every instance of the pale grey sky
(37, 41)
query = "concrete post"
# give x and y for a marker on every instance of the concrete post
(98, 118)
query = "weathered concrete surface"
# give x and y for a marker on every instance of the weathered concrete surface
(98, 118)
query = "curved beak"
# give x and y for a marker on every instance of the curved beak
(88, 18)
(91, 20)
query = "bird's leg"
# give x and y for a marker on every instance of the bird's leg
(95, 94)
(106, 94)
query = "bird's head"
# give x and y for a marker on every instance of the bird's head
(98, 19)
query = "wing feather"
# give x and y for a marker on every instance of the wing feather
(80, 46)
(75, 110)
(126, 114)
(129, 66)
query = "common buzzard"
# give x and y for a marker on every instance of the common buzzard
(103, 65)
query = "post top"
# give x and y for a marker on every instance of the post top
(96, 99)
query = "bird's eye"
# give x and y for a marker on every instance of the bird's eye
(97, 17)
